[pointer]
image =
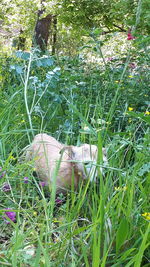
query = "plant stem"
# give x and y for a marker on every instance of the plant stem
(26, 95)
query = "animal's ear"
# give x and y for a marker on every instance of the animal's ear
(69, 151)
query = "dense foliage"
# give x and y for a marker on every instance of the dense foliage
(75, 19)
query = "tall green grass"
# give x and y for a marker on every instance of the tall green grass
(100, 224)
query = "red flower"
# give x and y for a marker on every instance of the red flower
(130, 36)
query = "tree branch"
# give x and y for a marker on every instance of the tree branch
(120, 28)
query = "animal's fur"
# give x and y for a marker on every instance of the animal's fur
(53, 159)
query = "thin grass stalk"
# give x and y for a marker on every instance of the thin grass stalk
(26, 94)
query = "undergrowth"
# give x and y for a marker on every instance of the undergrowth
(101, 224)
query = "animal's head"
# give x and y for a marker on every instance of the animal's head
(85, 159)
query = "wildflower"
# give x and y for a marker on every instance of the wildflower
(130, 109)
(130, 76)
(109, 58)
(56, 239)
(130, 36)
(86, 128)
(116, 81)
(58, 201)
(12, 158)
(10, 214)
(29, 250)
(132, 65)
(55, 220)
(100, 121)
(26, 180)
(124, 188)
(147, 112)
(6, 187)
(42, 184)
(146, 215)
(2, 174)
(117, 188)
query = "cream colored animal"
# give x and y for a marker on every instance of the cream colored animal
(53, 159)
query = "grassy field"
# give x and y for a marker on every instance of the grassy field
(104, 223)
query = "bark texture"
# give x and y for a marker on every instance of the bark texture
(42, 29)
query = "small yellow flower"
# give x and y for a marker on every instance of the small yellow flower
(34, 213)
(146, 215)
(12, 158)
(37, 158)
(116, 81)
(56, 220)
(130, 109)
(147, 112)
(130, 76)
(57, 239)
(124, 188)
(22, 121)
(117, 188)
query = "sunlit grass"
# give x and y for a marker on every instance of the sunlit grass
(101, 224)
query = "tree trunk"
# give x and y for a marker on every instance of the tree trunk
(42, 31)
(54, 37)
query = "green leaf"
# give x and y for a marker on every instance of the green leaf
(145, 168)
(138, 257)
(97, 31)
(19, 69)
(23, 55)
(126, 254)
(45, 62)
(141, 116)
(80, 230)
(79, 114)
(122, 233)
